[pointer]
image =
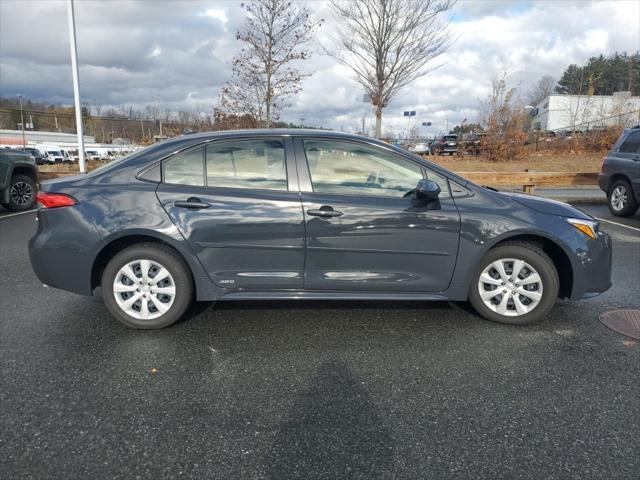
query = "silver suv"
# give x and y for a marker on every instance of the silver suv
(620, 175)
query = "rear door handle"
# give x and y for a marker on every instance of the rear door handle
(192, 203)
(325, 212)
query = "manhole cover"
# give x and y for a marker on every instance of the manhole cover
(626, 322)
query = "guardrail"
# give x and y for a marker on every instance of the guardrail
(531, 180)
(528, 180)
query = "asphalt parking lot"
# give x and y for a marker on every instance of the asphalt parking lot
(316, 389)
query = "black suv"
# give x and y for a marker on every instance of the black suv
(35, 153)
(445, 145)
(620, 175)
(17, 180)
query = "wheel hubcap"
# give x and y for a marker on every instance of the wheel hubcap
(144, 289)
(21, 193)
(510, 287)
(619, 198)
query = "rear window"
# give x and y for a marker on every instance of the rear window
(631, 144)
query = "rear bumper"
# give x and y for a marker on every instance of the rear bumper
(603, 182)
(59, 251)
(592, 275)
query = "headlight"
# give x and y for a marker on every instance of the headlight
(588, 227)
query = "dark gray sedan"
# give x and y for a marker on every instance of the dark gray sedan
(304, 214)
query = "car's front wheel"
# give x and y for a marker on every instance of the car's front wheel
(147, 286)
(622, 202)
(515, 283)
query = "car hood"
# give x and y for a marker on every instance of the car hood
(547, 206)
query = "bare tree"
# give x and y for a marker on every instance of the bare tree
(503, 118)
(97, 107)
(541, 90)
(388, 43)
(264, 72)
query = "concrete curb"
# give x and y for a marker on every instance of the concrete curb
(580, 200)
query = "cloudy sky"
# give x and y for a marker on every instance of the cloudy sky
(131, 52)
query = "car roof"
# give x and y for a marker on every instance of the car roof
(13, 154)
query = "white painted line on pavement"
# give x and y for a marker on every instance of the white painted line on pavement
(18, 213)
(618, 224)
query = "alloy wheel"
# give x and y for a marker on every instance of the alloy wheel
(21, 193)
(510, 287)
(619, 198)
(144, 289)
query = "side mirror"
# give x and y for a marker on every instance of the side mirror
(427, 190)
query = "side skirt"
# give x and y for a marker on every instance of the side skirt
(329, 295)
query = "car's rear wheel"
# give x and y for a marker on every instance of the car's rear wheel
(22, 193)
(515, 283)
(147, 286)
(621, 200)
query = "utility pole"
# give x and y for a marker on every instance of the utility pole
(24, 143)
(76, 83)
(159, 117)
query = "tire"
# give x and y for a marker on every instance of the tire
(161, 260)
(22, 193)
(520, 306)
(621, 199)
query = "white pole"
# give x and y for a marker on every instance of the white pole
(76, 83)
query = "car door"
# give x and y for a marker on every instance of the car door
(236, 202)
(363, 233)
(627, 160)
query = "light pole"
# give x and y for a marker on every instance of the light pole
(76, 83)
(24, 143)
(159, 118)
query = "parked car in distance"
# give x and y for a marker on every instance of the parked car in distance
(420, 149)
(620, 174)
(92, 155)
(445, 145)
(54, 156)
(36, 154)
(18, 177)
(306, 214)
(471, 143)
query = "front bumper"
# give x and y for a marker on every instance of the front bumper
(592, 268)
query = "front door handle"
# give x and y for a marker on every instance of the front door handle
(325, 212)
(192, 203)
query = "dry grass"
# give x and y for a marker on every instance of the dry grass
(71, 167)
(539, 162)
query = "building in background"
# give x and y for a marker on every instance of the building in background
(586, 112)
(14, 137)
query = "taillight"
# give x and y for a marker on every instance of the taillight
(602, 166)
(55, 200)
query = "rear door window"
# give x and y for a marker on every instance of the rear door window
(631, 144)
(185, 168)
(250, 164)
